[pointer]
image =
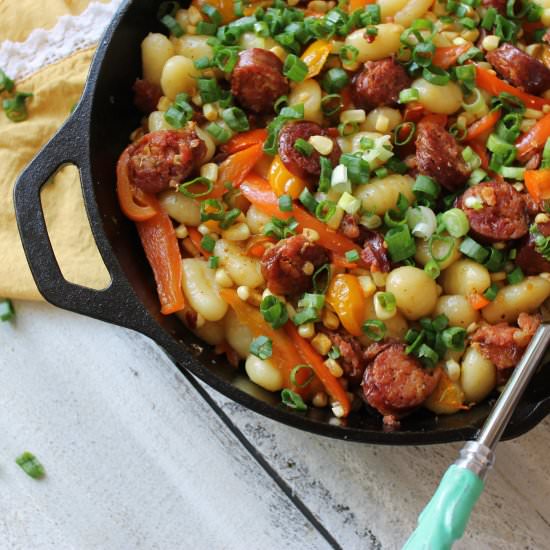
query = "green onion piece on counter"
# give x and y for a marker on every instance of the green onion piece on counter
(261, 347)
(454, 338)
(30, 465)
(308, 200)
(294, 68)
(294, 372)
(515, 276)
(208, 243)
(274, 311)
(307, 315)
(185, 187)
(303, 147)
(236, 119)
(293, 400)
(456, 222)
(285, 203)
(374, 329)
(6, 310)
(432, 269)
(334, 80)
(473, 250)
(218, 132)
(213, 262)
(15, 107)
(6, 83)
(172, 25)
(400, 243)
(491, 292)
(352, 256)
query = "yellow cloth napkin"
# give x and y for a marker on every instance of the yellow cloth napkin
(56, 89)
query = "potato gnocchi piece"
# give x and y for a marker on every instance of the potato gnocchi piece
(381, 194)
(244, 270)
(386, 42)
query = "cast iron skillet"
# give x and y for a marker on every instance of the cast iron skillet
(92, 138)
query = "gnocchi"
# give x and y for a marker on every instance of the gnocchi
(381, 194)
(386, 42)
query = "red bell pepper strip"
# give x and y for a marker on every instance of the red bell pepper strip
(534, 139)
(483, 125)
(244, 140)
(444, 58)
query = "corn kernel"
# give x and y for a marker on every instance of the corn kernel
(222, 278)
(452, 368)
(542, 218)
(210, 171)
(307, 330)
(279, 52)
(330, 320)
(334, 368)
(379, 278)
(237, 232)
(322, 343)
(197, 100)
(353, 115)
(367, 285)
(322, 144)
(518, 187)
(210, 112)
(181, 231)
(337, 410)
(471, 35)
(459, 41)
(243, 292)
(320, 400)
(310, 234)
(490, 42)
(308, 268)
(382, 123)
(194, 15)
(163, 104)
(203, 229)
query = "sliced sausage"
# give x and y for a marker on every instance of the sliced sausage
(394, 383)
(352, 355)
(257, 80)
(520, 69)
(288, 267)
(495, 210)
(146, 96)
(379, 83)
(352, 229)
(163, 158)
(306, 167)
(504, 345)
(439, 156)
(374, 253)
(531, 261)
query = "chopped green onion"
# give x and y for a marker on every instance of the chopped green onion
(352, 256)
(400, 243)
(446, 240)
(201, 181)
(274, 311)
(296, 370)
(238, 8)
(6, 310)
(30, 465)
(326, 175)
(453, 338)
(212, 209)
(387, 301)
(225, 59)
(261, 347)
(473, 250)
(422, 221)
(325, 210)
(408, 94)
(294, 112)
(491, 292)
(423, 53)
(440, 323)
(213, 262)
(436, 75)
(348, 128)
(208, 243)
(208, 89)
(358, 168)
(230, 218)
(315, 301)
(427, 356)
(415, 339)
(331, 104)
(513, 172)
(209, 29)
(545, 163)
(236, 119)
(321, 279)
(6, 83)
(303, 147)
(348, 56)
(334, 352)
(349, 203)
(218, 132)
(515, 276)
(172, 25)
(294, 68)
(488, 20)
(285, 203)
(307, 315)
(334, 80)
(432, 269)
(15, 107)
(308, 200)
(409, 127)
(456, 222)
(213, 14)
(426, 187)
(374, 329)
(477, 176)
(280, 229)
(292, 400)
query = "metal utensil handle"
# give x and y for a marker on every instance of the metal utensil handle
(110, 304)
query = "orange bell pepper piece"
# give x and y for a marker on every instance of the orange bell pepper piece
(478, 301)
(534, 139)
(414, 111)
(491, 83)
(315, 361)
(282, 181)
(358, 4)
(538, 183)
(136, 204)
(346, 297)
(316, 56)
(196, 239)
(244, 140)
(483, 125)
(285, 356)
(237, 166)
(162, 250)
(444, 58)
(259, 192)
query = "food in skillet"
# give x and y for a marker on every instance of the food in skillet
(350, 200)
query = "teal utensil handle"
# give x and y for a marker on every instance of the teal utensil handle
(445, 517)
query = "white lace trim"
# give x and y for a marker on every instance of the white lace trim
(44, 47)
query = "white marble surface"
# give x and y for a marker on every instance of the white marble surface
(136, 459)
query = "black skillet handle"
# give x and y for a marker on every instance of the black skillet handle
(117, 303)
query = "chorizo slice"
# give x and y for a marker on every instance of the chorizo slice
(395, 383)
(495, 210)
(257, 80)
(164, 158)
(379, 83)
(520, 69)
(352, 355)
(146, 95)
(531, 261)
(305, 167)
(374, 253)
(439, 156)
(504, 345)
(288, 267)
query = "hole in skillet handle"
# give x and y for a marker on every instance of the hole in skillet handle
(117, 303)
